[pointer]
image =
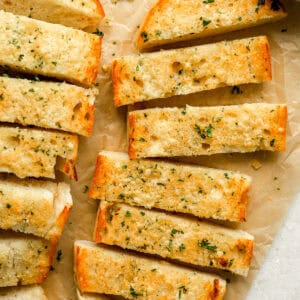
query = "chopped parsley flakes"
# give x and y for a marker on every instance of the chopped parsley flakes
(133, 293)
(206, 244)
(206, 132)
(98, 32)
(272, 143)
(144, 35)
(205, 22)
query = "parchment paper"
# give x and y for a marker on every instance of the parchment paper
(275, 184)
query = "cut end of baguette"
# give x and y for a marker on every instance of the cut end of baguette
(92, 70)
(172, 21)
(99, 179)
(100, 9)
(116, 79)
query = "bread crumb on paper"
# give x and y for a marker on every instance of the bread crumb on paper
(256, 165)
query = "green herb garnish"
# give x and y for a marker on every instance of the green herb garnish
(206, 244)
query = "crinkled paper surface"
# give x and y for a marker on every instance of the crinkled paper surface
(275, 184)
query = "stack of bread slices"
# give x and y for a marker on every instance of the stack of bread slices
(48, 67)
(171, 218)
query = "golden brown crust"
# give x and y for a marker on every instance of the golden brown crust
(116, 80)
(92, 70)
(100, 9)
(216, 292)
(70, 170)
(281, 120)
(151, 13)
(80, 274)
(264, 55)
(100, 223)
(246, 247)
(61, 221)
(51, 254)
(99, 179)
(243, 209)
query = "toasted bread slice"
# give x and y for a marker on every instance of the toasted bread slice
(53, 105)
(102, 270)
(207, 130)
(202, 192)
(31, 292)
(175, 237)
(188, 70)
(24, 259)
(29, 152)
(40, 208)
(73, 13)
(51, 50)
(171, 21)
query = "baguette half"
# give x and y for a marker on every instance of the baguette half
(171, 21)
(184, 71)
(202, 192)
(73, 13)
(24, 259)
(53, 105)
(102, 270)
(175, 237)
(32, 292)
(207, 130)
(52, 50)
(36, 207)
(30, 152)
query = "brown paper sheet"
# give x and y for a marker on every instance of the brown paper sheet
(275, 184)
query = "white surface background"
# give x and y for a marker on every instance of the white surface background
(279, 277)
